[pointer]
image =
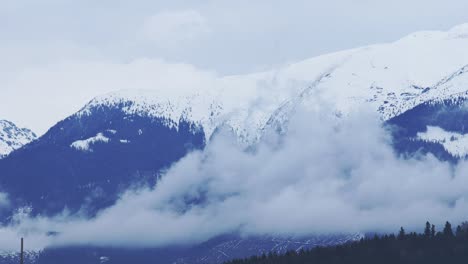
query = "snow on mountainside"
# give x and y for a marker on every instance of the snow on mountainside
(389, 78)
(85, 145)
(454, 143)
(13, 137)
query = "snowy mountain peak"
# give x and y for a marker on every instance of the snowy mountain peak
(243, 110)
(13, 137)
(172, 108)
(460, 31)
(388, 78)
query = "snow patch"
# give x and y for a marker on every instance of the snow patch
(85, 145)
(454, 143)
(104, 259)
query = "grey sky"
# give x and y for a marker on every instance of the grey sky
(227, 37)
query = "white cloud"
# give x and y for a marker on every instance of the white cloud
(175, 27)
(38, 97)
(323, 177)
(4, 200)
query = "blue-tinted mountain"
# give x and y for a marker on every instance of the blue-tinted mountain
(86, 161)
(438, 127)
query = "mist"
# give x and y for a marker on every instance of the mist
(324, 176)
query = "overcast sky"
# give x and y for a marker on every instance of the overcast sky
(43, 41)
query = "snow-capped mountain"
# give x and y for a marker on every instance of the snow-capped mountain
(85, 162)
(389, 78)
(127, 135)
(418, 83)
(13, 137)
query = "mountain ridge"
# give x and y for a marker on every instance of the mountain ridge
(389, 78)
(13, 137)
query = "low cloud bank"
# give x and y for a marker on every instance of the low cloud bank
(325, 176)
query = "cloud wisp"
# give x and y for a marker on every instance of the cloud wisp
(322, 177)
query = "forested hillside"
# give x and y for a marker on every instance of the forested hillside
(430, 246)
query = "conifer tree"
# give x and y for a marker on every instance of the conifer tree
(427, 230)
(401, 234)
(410, 248)
(459, 231)
(464, 228)
(448, 232)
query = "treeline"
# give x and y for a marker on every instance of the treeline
(431, 246)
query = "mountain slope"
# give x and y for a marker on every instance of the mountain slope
(85, 162)
(215, 251)
(387, 78)
(13, 137)
(437, 127)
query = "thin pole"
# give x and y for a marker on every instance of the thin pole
(22, 253)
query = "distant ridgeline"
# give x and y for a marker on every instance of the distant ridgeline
(446, 246)
(436, 127)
